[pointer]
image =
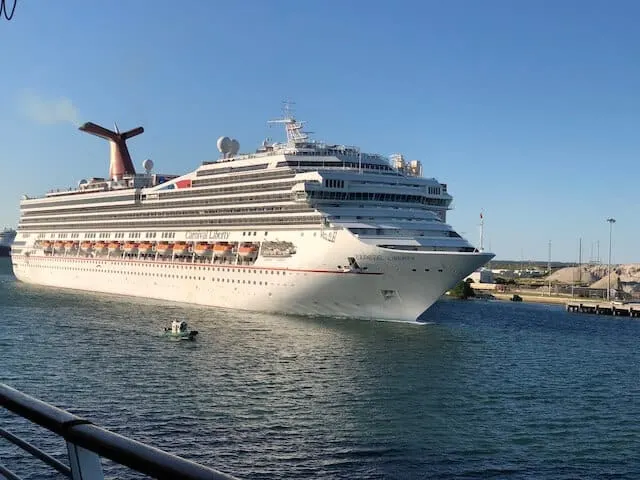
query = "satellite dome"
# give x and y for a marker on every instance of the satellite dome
(235, 146)
(82, 182)
(147, 165)
(224, 144)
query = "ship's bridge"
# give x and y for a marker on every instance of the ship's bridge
(330, 187)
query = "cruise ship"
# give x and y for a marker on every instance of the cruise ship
(297, 227)
(7, 235)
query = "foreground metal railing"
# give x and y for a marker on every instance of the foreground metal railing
(87, 443)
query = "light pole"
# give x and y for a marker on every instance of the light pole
(611, 222)
(549, 268)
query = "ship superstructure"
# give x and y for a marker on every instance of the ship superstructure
(299, 227)
(7, 236)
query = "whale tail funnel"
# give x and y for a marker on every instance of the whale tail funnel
(120, 163)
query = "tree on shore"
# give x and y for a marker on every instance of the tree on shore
(463, 290)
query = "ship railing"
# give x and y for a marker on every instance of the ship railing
(87, 443)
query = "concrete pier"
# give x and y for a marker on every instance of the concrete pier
(605, 308)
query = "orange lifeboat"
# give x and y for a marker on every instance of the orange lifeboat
(58, 246)
(130, 247)
(180, 248)
(203, 248)
(46, 245)
(114, 247)
(164, 247)
(145, 247)
(100, 246)
(86, 246)
(222, 248)
(70, 246)
(246, 250)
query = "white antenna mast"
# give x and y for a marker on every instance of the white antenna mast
(287, 108)
(294, 129)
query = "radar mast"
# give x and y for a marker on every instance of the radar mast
(294, 128)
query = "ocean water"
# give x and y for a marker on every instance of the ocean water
(488, 390)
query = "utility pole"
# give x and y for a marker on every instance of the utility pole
(611, 222)
(580, 261)
(481, 232)
(549, 268)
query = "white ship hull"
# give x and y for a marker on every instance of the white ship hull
(389, 285)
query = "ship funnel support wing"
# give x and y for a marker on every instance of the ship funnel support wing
(120, 163)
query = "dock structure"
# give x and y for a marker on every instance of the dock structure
(605, 308)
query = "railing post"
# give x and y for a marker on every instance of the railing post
(87, 443)
(85, 465)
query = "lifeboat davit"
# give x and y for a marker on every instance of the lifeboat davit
(114, 247)
(164, 247)
(130, 247)
(70, 246)
(86, 246)
(145, 247)
(203, 248)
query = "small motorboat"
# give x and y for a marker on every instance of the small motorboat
(180, 331)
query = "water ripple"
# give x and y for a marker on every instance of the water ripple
(488, 390)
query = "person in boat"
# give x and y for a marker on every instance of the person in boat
(177, 327)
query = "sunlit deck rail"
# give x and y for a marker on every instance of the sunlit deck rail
(87, 443)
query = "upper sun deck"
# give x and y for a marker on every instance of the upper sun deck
(299, 153)
(99, 185)
(299, 147)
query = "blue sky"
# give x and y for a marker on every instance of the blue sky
(528, 110)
